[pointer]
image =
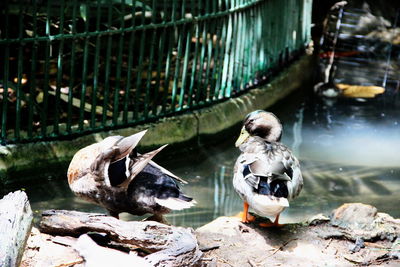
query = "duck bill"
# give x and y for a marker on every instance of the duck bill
(242, 137)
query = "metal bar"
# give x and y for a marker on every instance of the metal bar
(19, 92)
(160, 57)
(130, 63)
(107, 69)
(185, 70)
(32, 86)
(150, 68)
(139, 73)
(96, 68)
(71, 86)
(119, 66)
(177, 70)
(194, 65)
(199, 92)
(215, 71)
(84, 71)
(167, 73)
(46, 75)
(5, 79)
(57, 108)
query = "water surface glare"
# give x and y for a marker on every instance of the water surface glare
(349, 152)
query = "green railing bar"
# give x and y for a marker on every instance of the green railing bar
(251, 55)
(186, 33)
(216, 69)
(208, 47)
(185, 70)
(167, 72)
(59, 74)
(177, 68)
(72, 68)
(159, 68)
(19, 77)
(219, 86)
(96, 69)
(209, 58)
(32, 87)
(224, 86)
(231, 57)
(136, 28)
(238, 64)
(194, 65)
(139, 71)
(107, 70)
(139, 77)
(129, 73)
(119, 68)
(150, 68)
(199, 91)
(46, 76)
(84, 72)
(5, 79)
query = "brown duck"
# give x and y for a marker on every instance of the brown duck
(112, 174)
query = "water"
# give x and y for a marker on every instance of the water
(349, 152)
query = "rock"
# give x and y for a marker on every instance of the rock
(357, 220)
(15, 223)
(354, 216)
(319, 242)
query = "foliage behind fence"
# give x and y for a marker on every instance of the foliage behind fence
(71, 67)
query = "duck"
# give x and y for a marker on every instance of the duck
(111, 173)
(266, 174)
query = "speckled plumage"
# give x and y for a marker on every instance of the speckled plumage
(267, 174)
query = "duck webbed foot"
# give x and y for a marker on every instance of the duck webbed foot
(272, 224)
(244, 215)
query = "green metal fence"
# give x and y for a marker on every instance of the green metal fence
(72, 67)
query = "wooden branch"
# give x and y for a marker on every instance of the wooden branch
(15, 224)
(169, 245)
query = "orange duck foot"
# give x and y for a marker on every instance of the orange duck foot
(244, 215)
(245, 219)
(273, 224)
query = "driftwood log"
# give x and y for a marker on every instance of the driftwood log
(167, 245)
(15, 224)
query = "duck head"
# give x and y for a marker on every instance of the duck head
(262, 124)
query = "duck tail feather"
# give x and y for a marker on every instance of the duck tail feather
(167, 172)
(127, 144)
(175, 203)
(138, 164)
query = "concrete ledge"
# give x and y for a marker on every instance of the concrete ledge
(22, 162)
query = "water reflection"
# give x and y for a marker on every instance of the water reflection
(348, 152)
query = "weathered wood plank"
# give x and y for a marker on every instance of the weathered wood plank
(15, 223)
(168, 245)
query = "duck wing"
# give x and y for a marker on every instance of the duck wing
(114, 149)
(118, 162)
(137, 164)
(275, 171)
(167, 172)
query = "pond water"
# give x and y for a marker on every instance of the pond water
(349, 152)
